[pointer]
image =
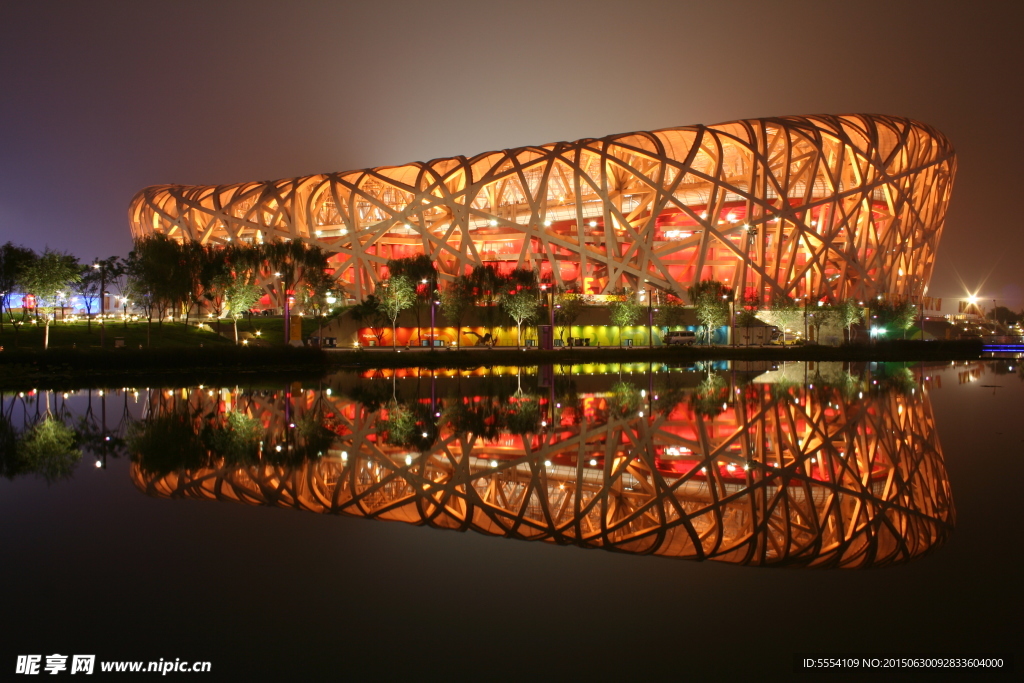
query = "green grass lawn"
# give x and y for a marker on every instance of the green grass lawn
(76, 334)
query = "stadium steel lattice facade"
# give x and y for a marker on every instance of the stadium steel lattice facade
(815, 206)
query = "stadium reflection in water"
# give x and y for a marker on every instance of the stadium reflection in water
(814, 467)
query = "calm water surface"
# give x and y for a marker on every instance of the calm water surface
(620, 521)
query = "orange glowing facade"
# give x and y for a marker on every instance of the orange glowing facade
(817, 206)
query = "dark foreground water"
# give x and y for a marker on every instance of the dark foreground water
(281, 532)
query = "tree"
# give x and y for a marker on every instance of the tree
(105, 271)
(521, 279)
(825, 315)
(518, 282)
(1004, 315)
(783, 312)
(13, 260)
(137, 286)
(624, 314)
(211, 272)
(369, 311)
(241, 295)
(522, 306)
(456, 298)
(159, 274)
(568, 308)
(898, 316)
(315, 292)
(711, 299)
(314, 296)
(422, 273)
(747, 315)
(87, 287)
(488, 285)
(122, 280)
(395, 295)
(670, 314)
(848, 312)
(289, 261)
(48, 277)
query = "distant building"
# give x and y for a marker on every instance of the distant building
(816, 206)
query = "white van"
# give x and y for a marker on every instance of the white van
(682, 337)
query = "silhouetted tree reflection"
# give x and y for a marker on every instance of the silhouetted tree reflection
(892, 377)
(46, 447)
(483, 419)
(1008, 366)
(672, 388)
(10, 464)
(624, 400)
(710, 397)
(408, 424)
(168, 441)
(833, 376)
(50, 449)
(237, 440)
(373, 395)
(522, 416)
(316, 435)
(99, 441)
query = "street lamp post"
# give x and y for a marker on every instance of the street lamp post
(732, 318)
(419, 334)
(548, 298)
(806, 300)
(433, 305)
(549, 295)
(103, 284)
(285, 310)
(650, 322)
(287, 314)
(725, 299)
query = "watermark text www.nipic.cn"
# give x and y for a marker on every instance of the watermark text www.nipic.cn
(32, 665)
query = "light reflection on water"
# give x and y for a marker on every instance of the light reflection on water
(796, 465)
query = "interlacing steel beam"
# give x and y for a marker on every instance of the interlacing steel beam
(823, 207)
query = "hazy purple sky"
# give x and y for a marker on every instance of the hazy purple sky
(99, 99)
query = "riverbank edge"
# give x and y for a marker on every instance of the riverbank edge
(24, 368)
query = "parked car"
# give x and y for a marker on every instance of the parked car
(681, 337)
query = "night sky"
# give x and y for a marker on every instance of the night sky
(100, 99)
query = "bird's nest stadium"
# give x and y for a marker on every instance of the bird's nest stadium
(815, 207)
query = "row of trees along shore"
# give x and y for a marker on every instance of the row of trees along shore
(412, 283)
(171, 279)
(165, 278)
(712, 300)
